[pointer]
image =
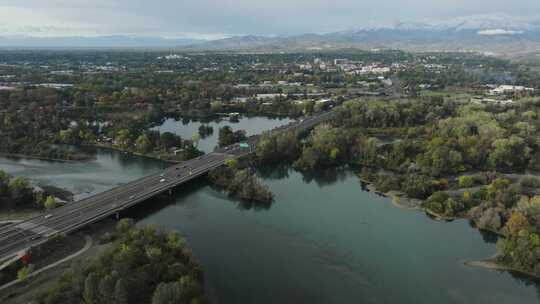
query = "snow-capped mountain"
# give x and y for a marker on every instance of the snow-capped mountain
(474, 22)
(500, 34)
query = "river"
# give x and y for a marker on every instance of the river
(323, 240)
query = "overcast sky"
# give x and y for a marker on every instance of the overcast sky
(218, 18)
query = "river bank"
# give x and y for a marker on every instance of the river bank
(492, 264)
(399, 200)
(150, 156)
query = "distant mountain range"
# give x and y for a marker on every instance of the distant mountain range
(498, 34)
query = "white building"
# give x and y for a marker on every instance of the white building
(503, 89)
(240, 99)
(323, 101)
(270, 96)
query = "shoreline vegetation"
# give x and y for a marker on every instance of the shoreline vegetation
(18, 196)
(451, 161)
(141, 265)
(492, 264)
(120, 150)
(399, 200)
(242, 184)
(164, 258)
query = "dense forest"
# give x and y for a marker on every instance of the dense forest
(18, 193)
(142, 265)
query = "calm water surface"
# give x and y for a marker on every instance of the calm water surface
(186, 128)
(323, 240)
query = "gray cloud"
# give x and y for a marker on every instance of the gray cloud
(230, 17)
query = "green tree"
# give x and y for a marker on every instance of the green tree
(196, 138)
(216, 106)
(530, 208)
(167, 293)
(465, 181)
(509, 154)
(91, 289)
(123, 138)
(231, 163)
(124, 225)
(20, 190)
(69, 136)
(106, 290)
(50, 202)
(418, 186)
(516, 223)
(121, 293)
(23, 273)
(143, 143)
(169, 140)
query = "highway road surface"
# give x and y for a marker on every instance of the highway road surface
(18, 237)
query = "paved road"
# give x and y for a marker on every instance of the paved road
(18, 237)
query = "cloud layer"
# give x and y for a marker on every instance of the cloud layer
(216, 18)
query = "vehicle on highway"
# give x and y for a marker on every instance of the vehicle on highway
(162, 180)
(48, 216)
(132, 197)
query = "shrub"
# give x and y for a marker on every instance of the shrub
(529, 182)
(50, 202)
(124, 225)
(418, 186)
(465, 181)
(23, 273)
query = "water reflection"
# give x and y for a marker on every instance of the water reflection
(274, 172)
(326, 177)
(243, 204)
(488, 236)
(186, 127)
(322, 177)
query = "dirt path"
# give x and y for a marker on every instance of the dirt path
(50, 266)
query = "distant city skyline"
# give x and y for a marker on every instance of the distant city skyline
(211, 19)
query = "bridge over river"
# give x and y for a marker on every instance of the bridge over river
(17, 238)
